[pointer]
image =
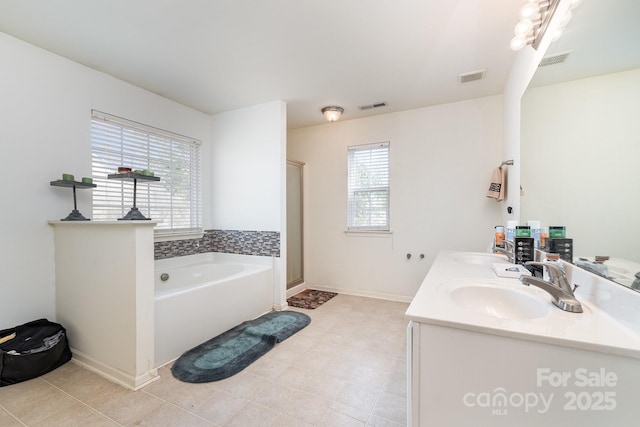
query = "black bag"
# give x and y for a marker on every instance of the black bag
(38, 347)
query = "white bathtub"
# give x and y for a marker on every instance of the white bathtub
(205, 295)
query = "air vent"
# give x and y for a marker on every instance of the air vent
(471, 76)
(372, 106)
(556, 58)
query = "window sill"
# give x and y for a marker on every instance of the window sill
(369, 233)
(178, 236)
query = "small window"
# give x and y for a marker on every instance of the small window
(174, 201)
(368, 187)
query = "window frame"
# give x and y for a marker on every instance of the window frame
(176, 159)
(380, 187)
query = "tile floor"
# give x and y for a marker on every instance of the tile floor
(347, 368)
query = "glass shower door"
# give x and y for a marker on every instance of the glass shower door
(294, 224)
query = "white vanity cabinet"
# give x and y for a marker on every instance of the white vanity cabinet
(490, 366)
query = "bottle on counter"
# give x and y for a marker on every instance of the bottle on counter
(511, 230)
(523, 231)
(535, 232)
(557, 232)
(499, 237)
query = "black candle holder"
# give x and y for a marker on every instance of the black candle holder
(133, 214)
(75, 215)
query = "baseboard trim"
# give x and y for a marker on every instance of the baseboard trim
(113, 374)
(361, 293)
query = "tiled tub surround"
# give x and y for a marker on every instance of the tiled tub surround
(242, 242)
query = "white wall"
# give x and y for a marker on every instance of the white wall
(246, 164)
(45, 112)
(442, 159)
(248, 170)
(580, 151)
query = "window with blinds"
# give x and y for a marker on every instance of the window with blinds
(174, 201)
(368, 187)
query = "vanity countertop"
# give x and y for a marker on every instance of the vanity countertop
(594, 330)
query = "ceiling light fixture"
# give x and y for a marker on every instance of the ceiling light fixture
(332, 113)
(535, 16)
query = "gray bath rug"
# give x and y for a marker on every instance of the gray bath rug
(232, 351)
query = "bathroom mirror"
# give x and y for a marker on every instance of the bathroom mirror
(580, 136)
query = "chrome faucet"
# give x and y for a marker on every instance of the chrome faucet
(636, 282)
(508, 249)
(559, 288)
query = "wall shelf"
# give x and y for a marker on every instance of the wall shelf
(75, 215)
(134, 214)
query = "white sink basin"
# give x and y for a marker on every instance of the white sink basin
(492, 299)
(478, 258)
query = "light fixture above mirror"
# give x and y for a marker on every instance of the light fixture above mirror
(535, 16)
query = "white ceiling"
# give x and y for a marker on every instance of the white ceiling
(220, 55)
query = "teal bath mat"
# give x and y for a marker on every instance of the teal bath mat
(229, 353)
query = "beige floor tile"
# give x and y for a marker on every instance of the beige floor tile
(75, 415)
(295, 377)
(85, 385)
(333, 418)
(35, 401)
(62, 371)
(369, 377)
(267, 368)
(391, 407)
(244, 384)
(185, 395)
(351, 411)
(375, 421)
(358, 396)
(16, 395)
(165, 415)
(253, 415)
(307, 407)
(301, 342)
(287, 421)
(220, 407)
(275, 396)
(396, 384)
(315, 362)
(133, 407)
(192, 420)
(7, 420)
(326, 386)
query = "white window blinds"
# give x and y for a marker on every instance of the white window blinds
(368, 187)
(175, 200)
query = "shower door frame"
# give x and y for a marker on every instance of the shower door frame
(298, 281)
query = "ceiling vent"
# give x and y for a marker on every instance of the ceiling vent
(556, 58)
(471, 76)
(372, 106)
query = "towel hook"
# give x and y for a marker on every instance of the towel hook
(507, 163)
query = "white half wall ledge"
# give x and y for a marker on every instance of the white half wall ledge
(105, 296)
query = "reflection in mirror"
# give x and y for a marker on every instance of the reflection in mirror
(580, 138)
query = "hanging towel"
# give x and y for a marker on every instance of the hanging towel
(497, 188)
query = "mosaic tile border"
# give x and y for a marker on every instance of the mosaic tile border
(260, 243)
